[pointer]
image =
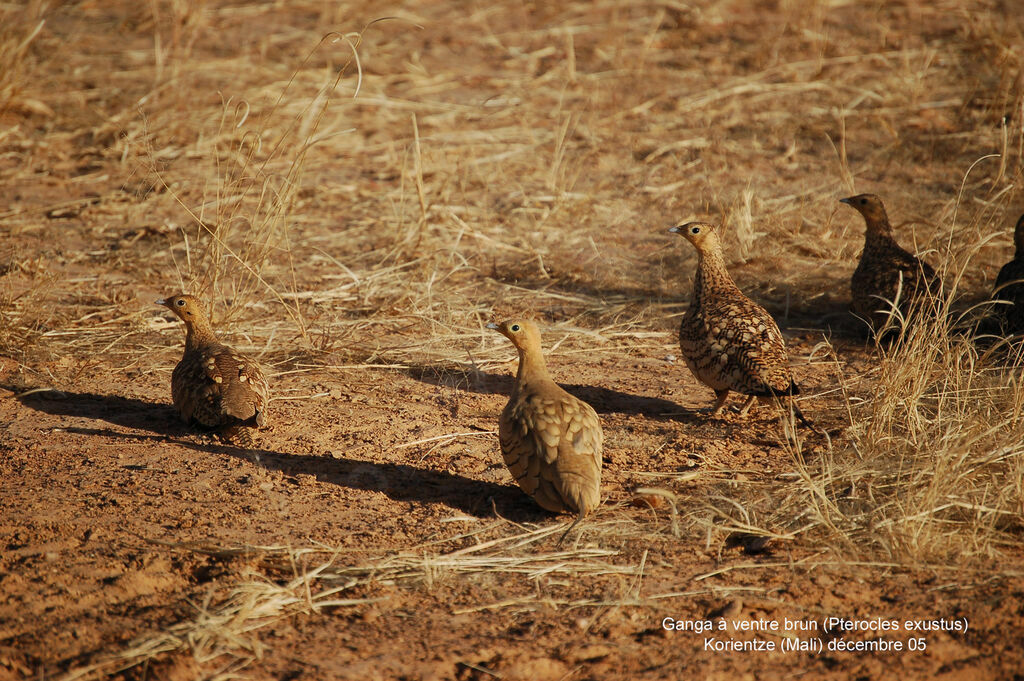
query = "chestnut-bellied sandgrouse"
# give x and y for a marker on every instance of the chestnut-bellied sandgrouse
(1009, 288)
(214, 386)
(551, 441)
(729, 342)
(887, 278)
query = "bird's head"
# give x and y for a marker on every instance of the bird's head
(523, 333)
(873, 210)
(703, 236)
(187, 307)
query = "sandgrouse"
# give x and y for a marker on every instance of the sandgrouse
(214, 386)
(886, 273)
(550, 440)
(729, 342)
(1009, 287)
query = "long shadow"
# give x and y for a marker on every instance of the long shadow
(623, 293)
(603, 400)
(831, 317)
(127, 412)
(400, 482)
(831, 314)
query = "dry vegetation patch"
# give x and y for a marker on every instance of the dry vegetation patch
(358, 188)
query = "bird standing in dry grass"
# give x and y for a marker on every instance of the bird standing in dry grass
(213, 385)
(887, 275)
(729, 342)
(550, 440)
(1009, 288)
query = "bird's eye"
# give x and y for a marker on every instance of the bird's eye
(514, 328)
(694, 230)
(863, 202)
(180, 303)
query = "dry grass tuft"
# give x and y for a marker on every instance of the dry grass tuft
(25, 319)
(238, 246)
(224, 628)
(20, 25)
(931, 469)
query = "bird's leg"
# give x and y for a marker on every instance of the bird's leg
(722, 396)
(747, 405)
(800, 415)
(566, 533)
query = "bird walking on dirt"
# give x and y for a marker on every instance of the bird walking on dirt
(729, 342)
(214, 386)
(888, 279)
(1009, 315)
(551, 441)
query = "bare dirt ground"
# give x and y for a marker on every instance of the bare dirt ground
(357, 199)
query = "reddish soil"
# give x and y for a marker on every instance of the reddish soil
(96, 480)
(118, 523)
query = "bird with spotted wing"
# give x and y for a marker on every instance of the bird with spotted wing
(550, 440)
(213, 386)
(729, 342)
(888, 279)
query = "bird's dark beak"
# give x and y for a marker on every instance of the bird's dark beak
(848, 200)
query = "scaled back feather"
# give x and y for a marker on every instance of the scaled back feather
(213, 386)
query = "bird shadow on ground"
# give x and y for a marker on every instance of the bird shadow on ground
(603, 400)
(399, 482)
(584, 290)
(828, 314)
(127, 412)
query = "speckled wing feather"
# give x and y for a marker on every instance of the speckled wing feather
(887, 274)
(552, 443)
(730, 342)
(883, 273)
(219, 388)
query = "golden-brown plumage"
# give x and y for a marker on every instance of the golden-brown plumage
(214, 386)
(550, 440)
(1009, 314)
(886, 273)
(729, 342)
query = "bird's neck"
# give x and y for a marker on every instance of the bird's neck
(711, 275)
(878, 232)
(198, 334)
(532, 368)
